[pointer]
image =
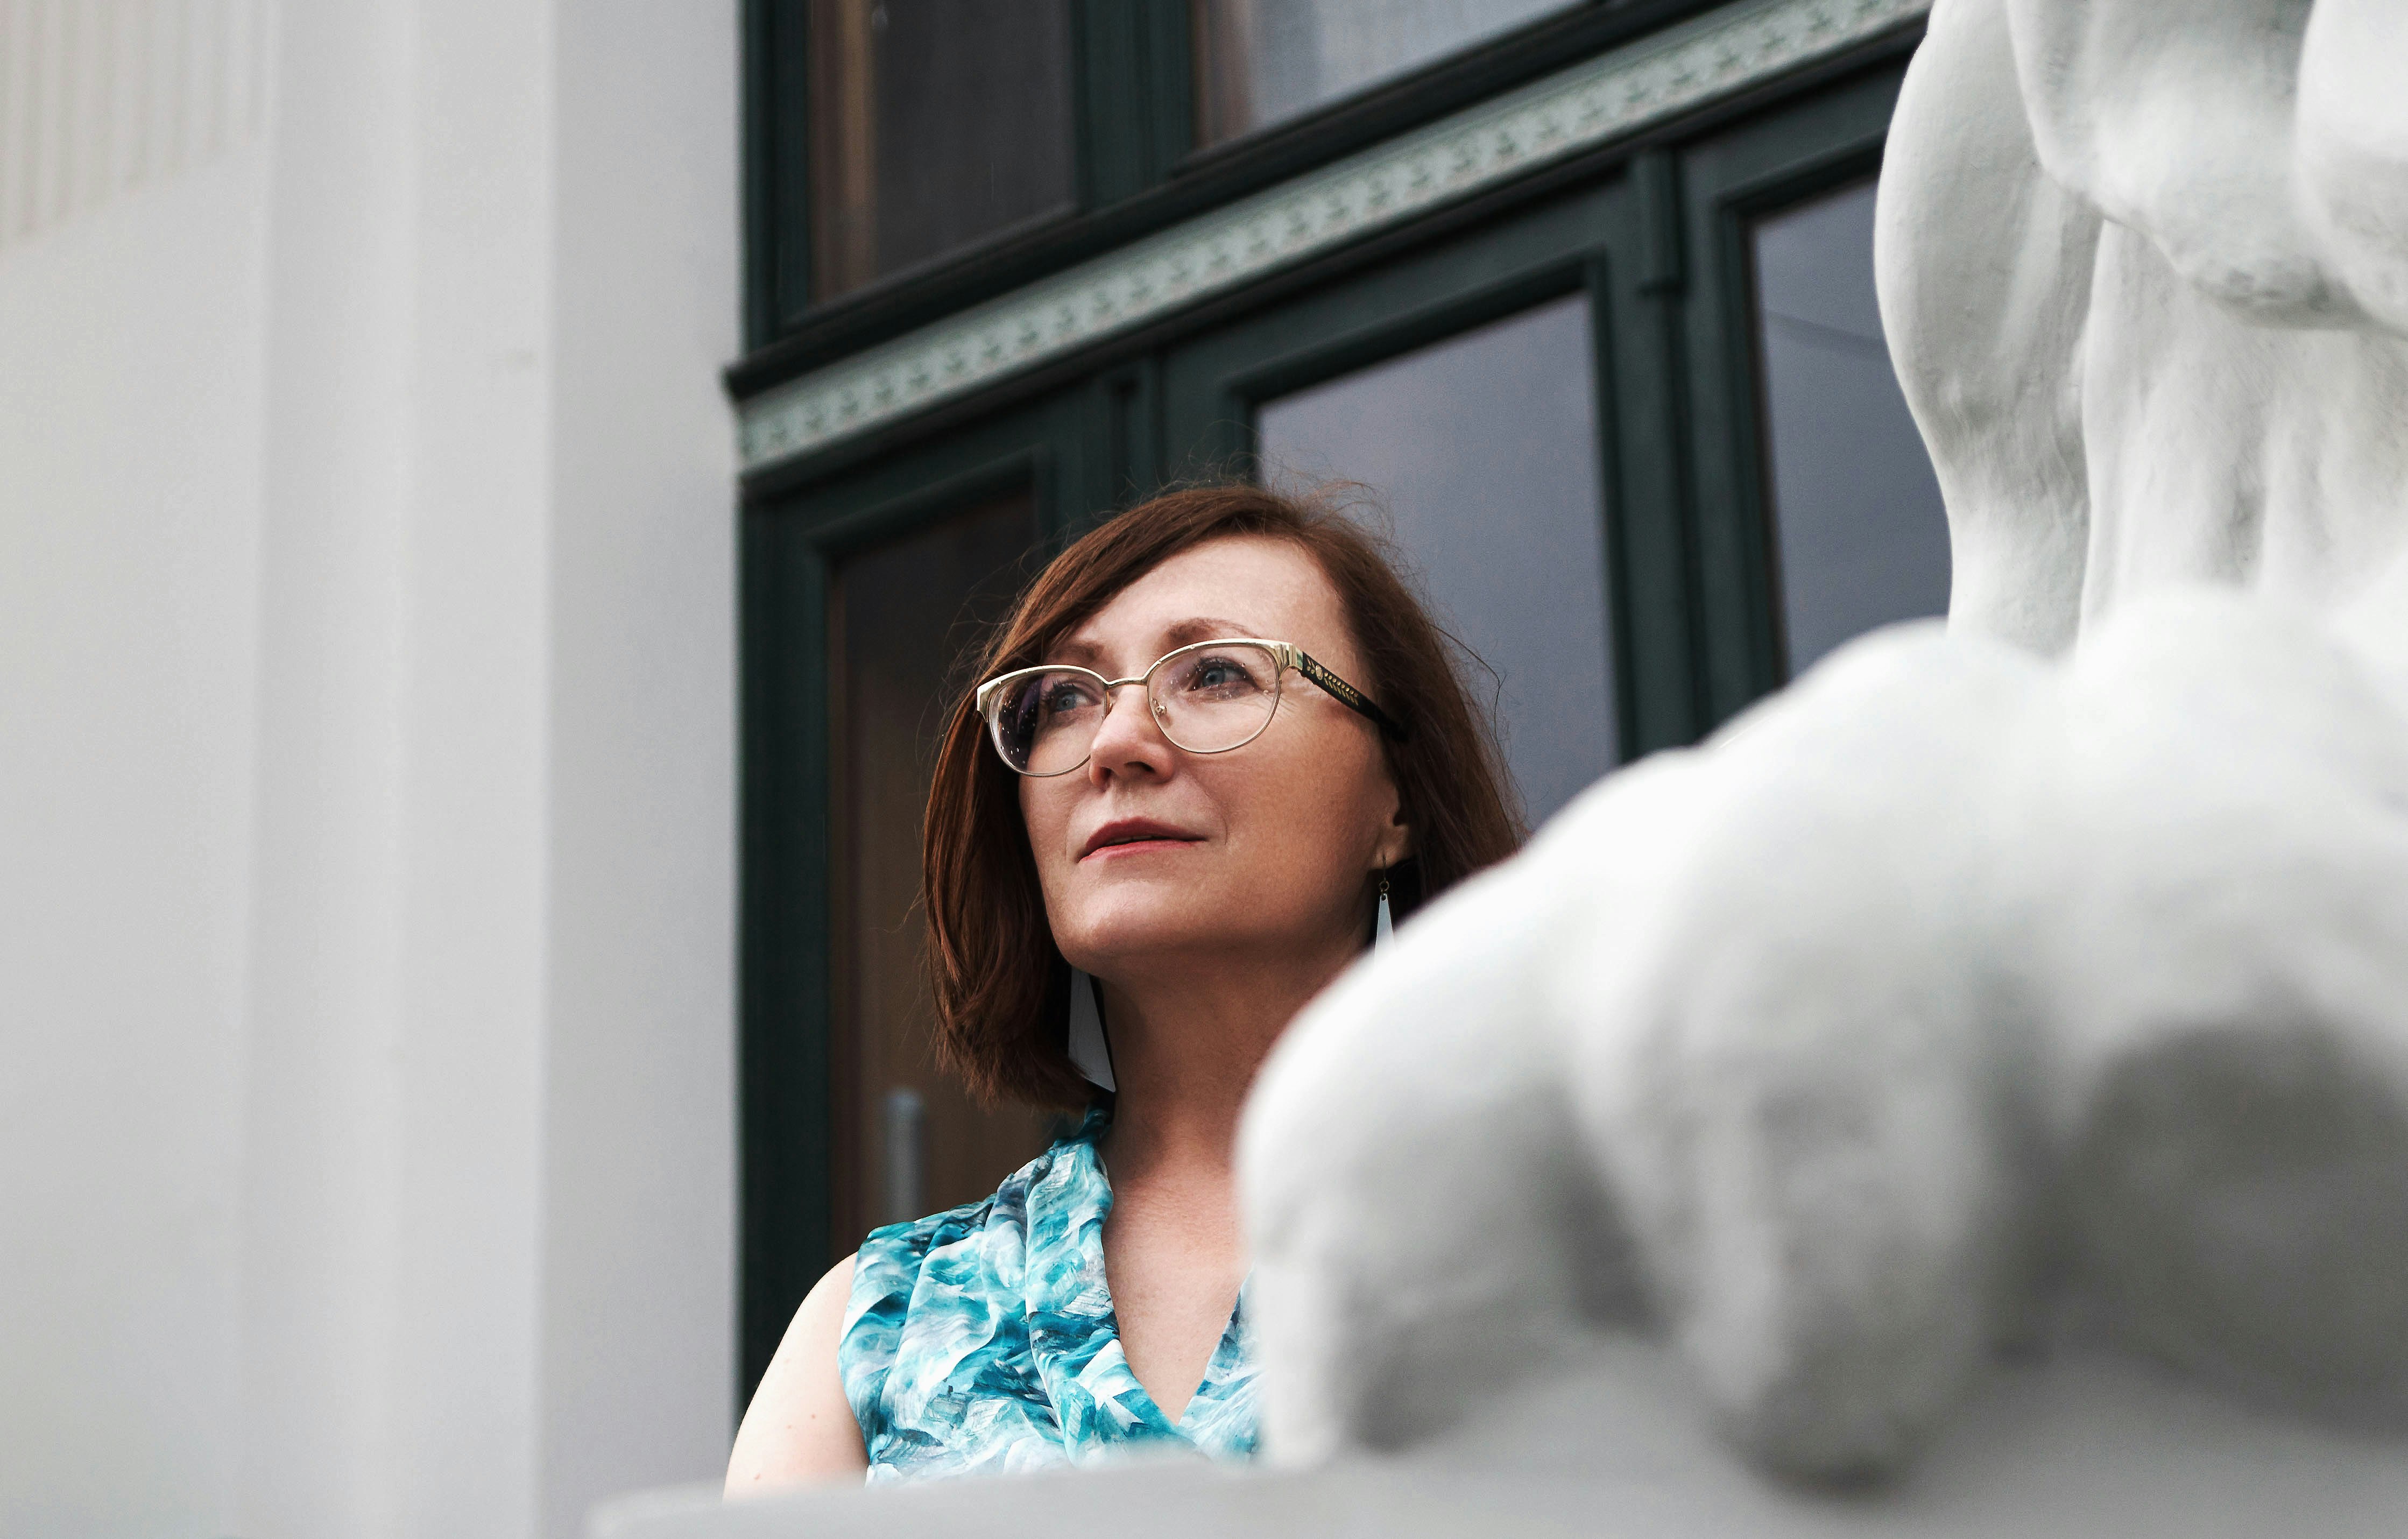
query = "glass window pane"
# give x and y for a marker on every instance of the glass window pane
(909, 1141)
(1260, 61)
(1483, 449)
(934, 124)
(1861, 537)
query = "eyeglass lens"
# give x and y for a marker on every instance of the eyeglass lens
(1205, 701)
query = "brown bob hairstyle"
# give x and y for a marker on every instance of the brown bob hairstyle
(1002, 989)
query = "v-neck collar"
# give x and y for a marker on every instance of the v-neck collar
(1074, 1332)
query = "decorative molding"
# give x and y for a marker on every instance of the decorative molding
(98, 97)
(1591, 103)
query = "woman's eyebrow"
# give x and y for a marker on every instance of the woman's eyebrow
(1179, 633)
(1203, 628)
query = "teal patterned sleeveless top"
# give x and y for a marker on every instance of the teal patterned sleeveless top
(983, 1338)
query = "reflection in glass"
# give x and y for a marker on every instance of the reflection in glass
(1484, 449)
(1861, 533)
(934, 124)
(1260, 61)
(900, 615)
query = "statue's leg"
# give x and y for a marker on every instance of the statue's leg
(2232, 956)
(1818, 1109)
(1427, 1226)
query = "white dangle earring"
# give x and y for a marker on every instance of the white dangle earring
(1382, 932)
(1091, 1052)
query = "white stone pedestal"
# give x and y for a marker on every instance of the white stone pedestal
(2077, 1446)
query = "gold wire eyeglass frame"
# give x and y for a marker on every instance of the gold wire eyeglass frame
(1288, 654)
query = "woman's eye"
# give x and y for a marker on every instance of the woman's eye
(1219, 673)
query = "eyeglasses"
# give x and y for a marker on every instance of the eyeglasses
(1208, 697)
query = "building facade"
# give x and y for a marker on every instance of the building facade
(462, 983)
(1581, 293)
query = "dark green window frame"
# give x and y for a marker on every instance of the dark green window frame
(1654, 229)
(1137, 168)
(1131, 109)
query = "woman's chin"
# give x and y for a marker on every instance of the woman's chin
(1130, 935)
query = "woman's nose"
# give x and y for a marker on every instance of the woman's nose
(1129, 736)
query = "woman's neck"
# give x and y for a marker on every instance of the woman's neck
(1186, 1048)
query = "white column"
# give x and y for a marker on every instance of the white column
(640, 1236)
(367, 762)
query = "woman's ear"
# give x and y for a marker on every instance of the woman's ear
(1396, 841)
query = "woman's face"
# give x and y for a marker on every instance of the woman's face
(1257, 855)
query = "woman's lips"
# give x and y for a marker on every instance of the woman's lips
(1134, 834)
(1136, 847)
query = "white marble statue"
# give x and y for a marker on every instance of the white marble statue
(2038, 982)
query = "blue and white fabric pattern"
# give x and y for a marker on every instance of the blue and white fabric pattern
(983, 1338)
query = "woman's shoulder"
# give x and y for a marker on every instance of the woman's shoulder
(800, 1427)
(891, 1257)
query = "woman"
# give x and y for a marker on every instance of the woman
(1214, 742)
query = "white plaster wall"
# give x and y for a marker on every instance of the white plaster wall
(367, 677)
(129, 554)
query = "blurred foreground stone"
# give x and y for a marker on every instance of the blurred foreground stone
(2081, 1447)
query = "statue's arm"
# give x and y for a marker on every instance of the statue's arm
(1984, 266)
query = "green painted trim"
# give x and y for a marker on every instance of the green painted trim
(777, 169)
(784, 1132)
(1123, 436)
(841, 534)
(1131, 63)
(1401, 332)
(790, 551)
(1625, 638)
(1805, 147)
(1659, 492)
